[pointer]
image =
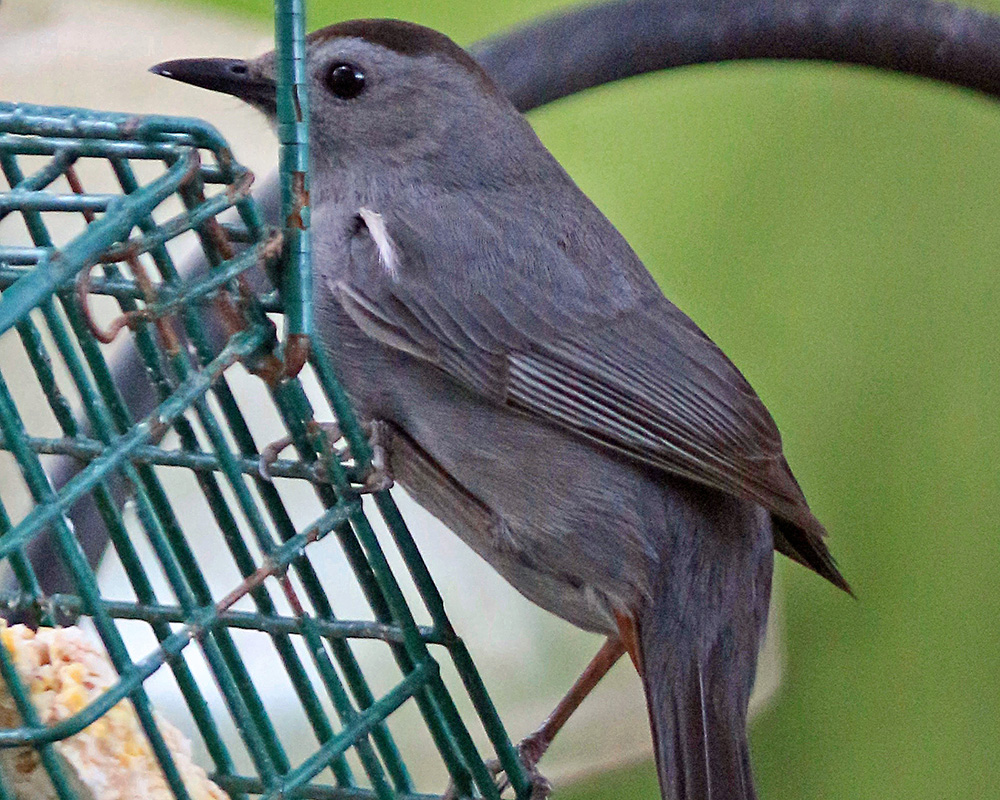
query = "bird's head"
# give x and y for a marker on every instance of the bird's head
(379, 90)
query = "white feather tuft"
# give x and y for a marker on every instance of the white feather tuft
(375, 223)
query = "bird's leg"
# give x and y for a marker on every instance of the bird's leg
(533, 747)
(378, 478)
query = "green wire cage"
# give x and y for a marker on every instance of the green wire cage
(70, 290)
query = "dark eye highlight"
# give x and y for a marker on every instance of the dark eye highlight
(346, 81)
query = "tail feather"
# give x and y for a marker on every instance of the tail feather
(805, 545)
(700, 743)
(699, 635)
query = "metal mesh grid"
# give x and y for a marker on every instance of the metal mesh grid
(64, 301)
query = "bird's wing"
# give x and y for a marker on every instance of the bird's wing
(636, 376)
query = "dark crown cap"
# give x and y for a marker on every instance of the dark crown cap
(406, 38)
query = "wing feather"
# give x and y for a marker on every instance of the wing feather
(641, 380)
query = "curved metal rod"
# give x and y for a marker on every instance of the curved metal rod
(591, 46)
(562, 55)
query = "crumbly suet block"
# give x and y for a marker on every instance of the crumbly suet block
(65, 670)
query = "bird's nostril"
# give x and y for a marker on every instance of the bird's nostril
(238, 69)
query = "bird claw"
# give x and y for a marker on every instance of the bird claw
(269, 455)
(529, 752)
(330, 431)
(379, 477)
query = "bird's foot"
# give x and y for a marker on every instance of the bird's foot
(269, 455)
(529, 751)
(379, 477)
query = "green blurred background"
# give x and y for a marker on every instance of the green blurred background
(836, 232)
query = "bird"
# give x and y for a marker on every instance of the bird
(535, 389)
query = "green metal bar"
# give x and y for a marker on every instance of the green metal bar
(313, 791)
(168, 543)
(495, 730)
(245, 563)
(347, 713)
(18, 301)
(44, 177)
(131, 679)
(359, 727)
(60, 407)
(99, 418)
(15, 200)
(100, 148)
(239, 347)
(13, 254)
(417, 650)
(84, 123)
(283, 644)
(346, 660)
(11, 270)
(295, 407)
(42, 365)
(293, 161)
(260, 728)
(15, 263)
(29, 716)
(438, 720)
(120, 539)
(241, 697)
(70, 607)
(234, 455)
(20, 566)
(196, 622)
(42, 493)
(317, 597)
(207, 286)
(86, 449)
(264, 540)
(453, 740)
(205, 210)
(425, 584)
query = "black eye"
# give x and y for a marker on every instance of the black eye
(345, 80)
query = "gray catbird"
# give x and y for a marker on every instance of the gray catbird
(542, 62)
(542, 396)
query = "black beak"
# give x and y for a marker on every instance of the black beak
(227, 75)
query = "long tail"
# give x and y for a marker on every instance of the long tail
(699, 639)
(699, 733)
